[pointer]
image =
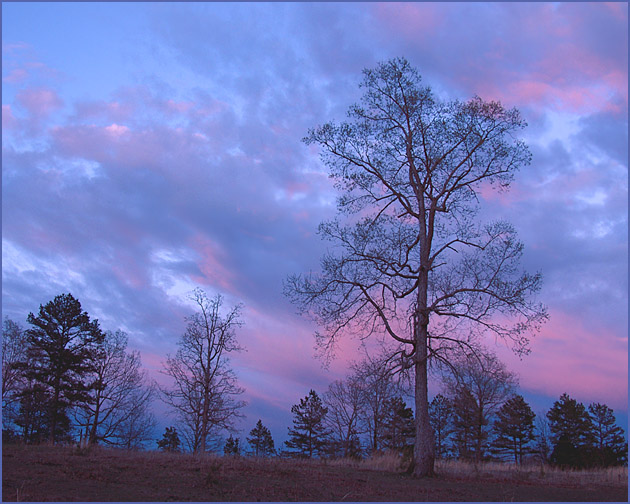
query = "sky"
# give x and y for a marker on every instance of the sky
(151, 148)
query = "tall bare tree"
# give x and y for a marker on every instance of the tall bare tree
(412, 262)
(205, 390)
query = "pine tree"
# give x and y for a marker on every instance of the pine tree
(62, 344)
(571, 432)
(610, 446)
(398, 428)
(514, 428)
(465, 417)
(232, 446)
(309, 435)
(170, 440)
(441, 415)
(261, 441)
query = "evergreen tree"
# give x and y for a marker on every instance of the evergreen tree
(465, 417)
(441, 415)
(261, 441)
(232, 446)
(170, 440)
(33, 417)
(62, 344)
(610, 446)
(514, 428)
(309, 434)
(398, 428)
(571, 432)
(566, 453)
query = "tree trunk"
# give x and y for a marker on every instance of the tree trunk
(97, 412)
(424, 449)
(54, 410)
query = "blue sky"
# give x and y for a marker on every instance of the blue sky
(149, 148)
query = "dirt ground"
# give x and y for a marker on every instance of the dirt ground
(68, 474)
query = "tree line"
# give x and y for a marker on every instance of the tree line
(64, 380)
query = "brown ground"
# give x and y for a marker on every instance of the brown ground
(68, 474)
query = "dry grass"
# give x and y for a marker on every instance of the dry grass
(617, 476)
(392, 462)
(65, 474)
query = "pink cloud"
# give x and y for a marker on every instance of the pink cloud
(8, 119)
(618, 9)
(114, 111)
(89, 142)
(538, 55)
(514, 194)
(411, 20)
(39, 102)
(129, 147)
(16, 76)
(178, 107)
(212, 264)
(589, 363)
(604, 94)
(128, 271)
(116, 130)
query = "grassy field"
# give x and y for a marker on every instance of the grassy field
(43, 473)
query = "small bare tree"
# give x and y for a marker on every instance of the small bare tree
(411, 262)
(14, 344)
(377, 386)
(344, 400)
(205, 390)
(121, 393)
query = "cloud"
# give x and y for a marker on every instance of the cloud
(194, 173)
(8, 119)
(563, 56)
(592, 366)
(39, 102)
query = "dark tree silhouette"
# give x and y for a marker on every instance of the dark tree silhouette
(62, 345)
(478, 384)
(412, 262)
(441, 415)
(514, 428)
(610, 446)
(261, 441)
(232, 446)
(398, 427)
(309, 435)
(465, 417)
(170, 441)
(571, 433)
